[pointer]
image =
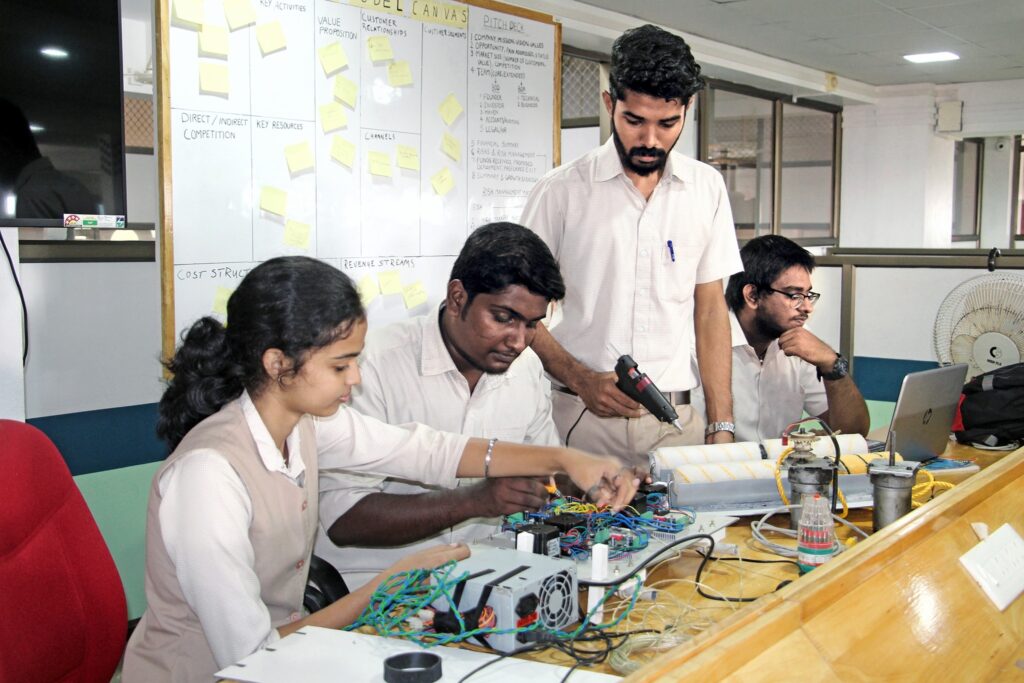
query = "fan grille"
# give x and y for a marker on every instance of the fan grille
(556, 604)
(983, 305)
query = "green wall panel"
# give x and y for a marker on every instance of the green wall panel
(117, 499)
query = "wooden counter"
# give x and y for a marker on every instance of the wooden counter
(898, 606)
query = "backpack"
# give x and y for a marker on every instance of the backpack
(991, 410)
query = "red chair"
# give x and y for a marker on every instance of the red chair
(63, 615)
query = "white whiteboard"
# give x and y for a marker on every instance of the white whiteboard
(374, 135)
(12, 372)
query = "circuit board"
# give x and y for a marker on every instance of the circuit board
(569, 528)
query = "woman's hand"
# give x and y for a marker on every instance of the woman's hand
(428, 558)
(605, 480)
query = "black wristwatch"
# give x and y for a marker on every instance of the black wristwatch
(839, 370)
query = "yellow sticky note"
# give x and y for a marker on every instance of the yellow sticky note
(213, 78)
(390, 282)
(345, 90)
(450, 109)
(273, 200)
(380, 164)
(332, 117)
(343, 151)
(239, 14)
(332, 58)
(399, 74)
(220, 300)
(271, 38)
(408, 157)
(189, 12)
(380, 48)
(299, 157)
(414, 295)
(296, 234)
(451, 146)
(368, 289)
(442, 181)
(213, 41)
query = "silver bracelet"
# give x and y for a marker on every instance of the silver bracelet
(487, 458)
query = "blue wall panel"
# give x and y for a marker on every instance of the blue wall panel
(879, 379)
(99, 440)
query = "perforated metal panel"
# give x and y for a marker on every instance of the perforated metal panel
(138, 124)
(581, 88)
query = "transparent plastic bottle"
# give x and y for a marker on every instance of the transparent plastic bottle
(816, 535)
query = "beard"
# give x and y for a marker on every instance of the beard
(766, 326)
(630, 159)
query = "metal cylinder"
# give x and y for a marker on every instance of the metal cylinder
(810, 478)
(892, 486)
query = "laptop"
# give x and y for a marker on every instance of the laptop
(925, 410)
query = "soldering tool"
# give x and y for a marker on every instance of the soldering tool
(639, 387)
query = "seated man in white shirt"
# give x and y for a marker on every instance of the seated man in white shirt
(779, 368)
(466, 368)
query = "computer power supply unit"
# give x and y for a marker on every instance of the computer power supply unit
(521, 588)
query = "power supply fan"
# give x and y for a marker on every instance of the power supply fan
(981, 323)
(556, 608)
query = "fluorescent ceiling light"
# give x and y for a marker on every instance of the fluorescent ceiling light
(54, 52)
(36, 128)
(926, 57)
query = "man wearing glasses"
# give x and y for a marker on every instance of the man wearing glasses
(779, 368)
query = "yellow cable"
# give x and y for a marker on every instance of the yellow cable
(927, 489)
(782, 491)
(842, 499)
(778, 475)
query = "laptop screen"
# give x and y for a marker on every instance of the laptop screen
(924, 411)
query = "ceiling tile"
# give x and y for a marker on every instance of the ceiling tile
(864, 40)
(986, 11)
(871, 23)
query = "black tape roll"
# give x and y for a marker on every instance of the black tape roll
(412, 667)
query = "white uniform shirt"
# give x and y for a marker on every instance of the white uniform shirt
(409, 376)
(204, 499)
(624, 291)
(767, 396)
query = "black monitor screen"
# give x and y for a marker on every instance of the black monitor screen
(61, 111)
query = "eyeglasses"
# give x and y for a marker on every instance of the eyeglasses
(797, 298)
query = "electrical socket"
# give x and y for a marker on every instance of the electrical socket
(997, 564)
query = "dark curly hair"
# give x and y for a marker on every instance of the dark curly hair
(498, 255)
(293, 303)
(764, 260)
(651, 61)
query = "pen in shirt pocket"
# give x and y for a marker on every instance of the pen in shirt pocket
(671, 251)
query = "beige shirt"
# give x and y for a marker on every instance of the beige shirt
(627, 291)
(227, 554)
(409, 376)
(768, 395)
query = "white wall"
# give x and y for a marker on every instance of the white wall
(95, 336)
(824, 321)
(896, 308)
(142, 187)
(578, 141)
(991, 109)
(12, 381)
(897, 182)
(997, 193)
(897, 175)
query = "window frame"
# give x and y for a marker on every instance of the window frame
(1017, 194)
(975, 235)
(778, 99)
